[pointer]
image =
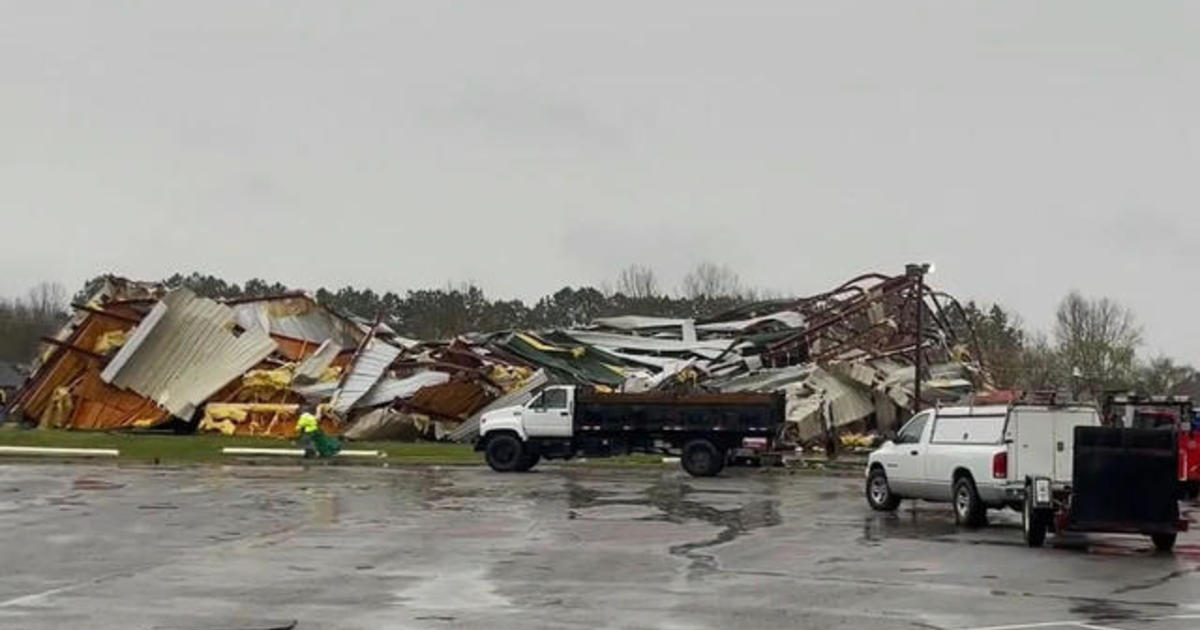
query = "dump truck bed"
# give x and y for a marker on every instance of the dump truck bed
(747, 414)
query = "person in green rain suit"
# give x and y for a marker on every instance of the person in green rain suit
(312, 438)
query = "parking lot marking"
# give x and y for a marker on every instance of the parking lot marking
(1031, 626)
(1086, 625)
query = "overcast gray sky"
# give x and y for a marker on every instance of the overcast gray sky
(1028, 148)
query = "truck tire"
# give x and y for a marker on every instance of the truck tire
(528, 461)
(1034, 521)
(702, 459)
(1190, 490)
(505, 453)
(969, 510)
(722, 461)
(1163, 542)
(879, 494)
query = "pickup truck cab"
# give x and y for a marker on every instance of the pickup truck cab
(975, 457)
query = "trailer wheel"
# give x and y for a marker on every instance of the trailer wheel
(1034, 521)
(968, 507)
(879, 494)
(1163, 542)
(702, 459)
(504, 453)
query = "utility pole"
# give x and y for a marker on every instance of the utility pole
(917, 272)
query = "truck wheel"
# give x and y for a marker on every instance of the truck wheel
(722, 460)
(1035, 521)
(879, 493)
(701, 459)
(504, 453)
(1163, 542)
(528, 461)
(968, 508)
(1191, 490)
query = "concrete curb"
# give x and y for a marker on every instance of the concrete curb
(293, 452)
(24, 451)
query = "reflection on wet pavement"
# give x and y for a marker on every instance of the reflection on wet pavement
(676, 501)
(375, 548)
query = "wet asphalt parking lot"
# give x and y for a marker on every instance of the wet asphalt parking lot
(111, 547)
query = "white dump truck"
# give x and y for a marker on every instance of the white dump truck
(704, 429)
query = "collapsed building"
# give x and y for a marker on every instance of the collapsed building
(145, 356)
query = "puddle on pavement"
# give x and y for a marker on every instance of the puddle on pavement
(672, 500)
(907, 524)
(1101, 610)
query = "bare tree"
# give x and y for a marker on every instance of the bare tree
(1161, 375)
(709, 281)
(1097, 340)
(48, 301)
(1040, 366)
(24, 321)
(637, 281)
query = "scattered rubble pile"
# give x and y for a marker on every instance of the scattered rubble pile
(142, 356)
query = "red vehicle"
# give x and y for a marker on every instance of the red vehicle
(1174, 413)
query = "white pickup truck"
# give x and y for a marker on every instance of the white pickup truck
(975, 457)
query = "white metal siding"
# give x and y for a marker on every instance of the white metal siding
(185, 352)
(367, 369)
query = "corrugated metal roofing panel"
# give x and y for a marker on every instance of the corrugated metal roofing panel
(469, 429)
(184, 351)
(639, 322)
(847, 404)
(708, 348)
(581, 364)
(316, 391)
(790, 319)
(367, 369)
(767, 379)
(389, 389)
(659, 363)
(298, 317)
(311, 368)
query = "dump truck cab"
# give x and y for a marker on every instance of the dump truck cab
(546, 415)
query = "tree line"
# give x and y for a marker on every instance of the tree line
(424, 313)
(1092, 349)
(1093, 346)
(25, 319)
